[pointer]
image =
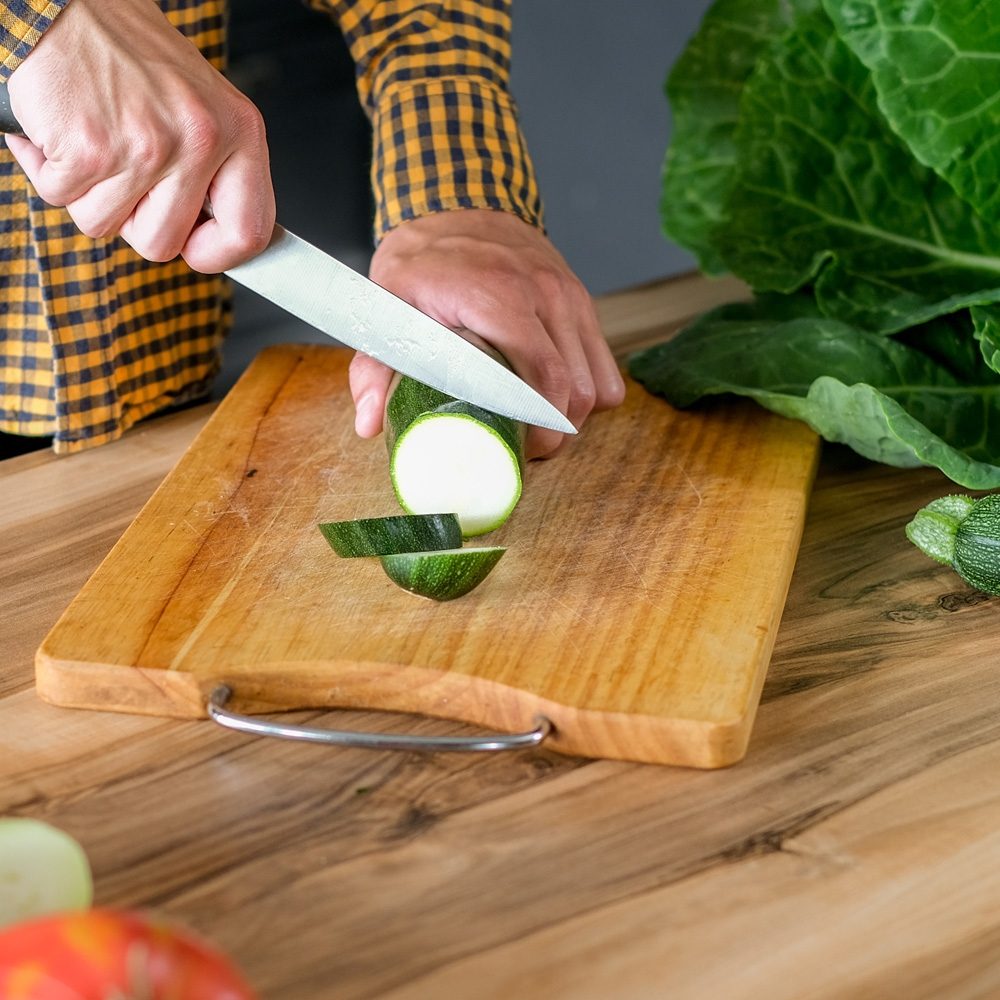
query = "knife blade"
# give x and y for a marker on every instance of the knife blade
(350, 308)
(353, 310)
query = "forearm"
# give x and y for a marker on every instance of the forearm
(433, 78)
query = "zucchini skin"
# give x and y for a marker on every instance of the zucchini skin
(378, 536)
(963, 533)
(441, 576)
(410, 403)
(409, 399)
(977, 546)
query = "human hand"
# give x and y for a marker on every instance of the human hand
(139, 153)
(500, 278)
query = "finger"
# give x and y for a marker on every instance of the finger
(28, 155)
(98, 184)
(162, 221)
(528, 347)
(562, 322)
(243, 216)
(369, 381)
(57, 181)
(99, 197)
(609, 386)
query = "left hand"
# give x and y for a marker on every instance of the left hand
(490, 273)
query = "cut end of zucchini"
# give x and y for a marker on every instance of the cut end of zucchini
(442, 575)
(42, 871)
(378, 536)
(451, 461)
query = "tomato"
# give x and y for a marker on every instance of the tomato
(100, 954)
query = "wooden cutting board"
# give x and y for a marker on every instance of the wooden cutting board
(636, 607)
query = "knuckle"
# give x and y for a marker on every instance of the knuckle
(257, 240)
(248, 122)
(148, 151)
(96, 225)
(149, 248)
(51, 193)
(160, 252)
(553, 376)
(202, 132)
(584, 396)
(248, 243)
(203, 262)
(88, 158)
(552, 283)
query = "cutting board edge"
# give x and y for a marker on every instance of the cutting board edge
(83, 684)
(582, 732)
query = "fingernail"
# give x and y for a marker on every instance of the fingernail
(364, 418)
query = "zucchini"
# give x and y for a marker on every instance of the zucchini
(42, 870)
(963, 533)
(445, 454)
(379, 536)
(442, 575)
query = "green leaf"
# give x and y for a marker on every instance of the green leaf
(937, 72)
(826, 193)
(987, 331)
(886, 399)
(704, 89)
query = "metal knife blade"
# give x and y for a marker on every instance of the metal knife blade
(345, 305)
(348, 307)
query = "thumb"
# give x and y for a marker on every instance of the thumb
(369, 380)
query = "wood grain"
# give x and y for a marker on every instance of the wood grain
(850, 856)
(636, 606)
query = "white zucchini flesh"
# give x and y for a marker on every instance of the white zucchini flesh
(42, 870)
(450, 461)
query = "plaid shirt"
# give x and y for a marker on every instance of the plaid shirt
(94, 338)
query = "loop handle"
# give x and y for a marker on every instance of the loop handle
(371, 741)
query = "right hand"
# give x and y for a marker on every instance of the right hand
(131, 129)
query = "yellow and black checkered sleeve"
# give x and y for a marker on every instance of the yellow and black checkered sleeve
(433, 77)
(21, 25)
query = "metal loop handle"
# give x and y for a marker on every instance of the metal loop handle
(370, 741)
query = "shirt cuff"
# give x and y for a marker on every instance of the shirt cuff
(22, 23)
(449, 143)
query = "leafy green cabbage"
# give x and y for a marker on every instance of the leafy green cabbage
(843, 158)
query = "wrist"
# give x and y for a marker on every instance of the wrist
(23, 28)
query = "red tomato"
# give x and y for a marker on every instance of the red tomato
(99, 954)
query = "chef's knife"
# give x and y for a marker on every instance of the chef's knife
(353, 310)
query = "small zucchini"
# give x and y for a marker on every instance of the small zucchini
(442, 575)
(963, 533)
(42, 870)
(445, 454)
(379, 536)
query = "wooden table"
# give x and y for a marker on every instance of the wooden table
(854, 853)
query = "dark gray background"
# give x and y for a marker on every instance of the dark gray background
(588, 78)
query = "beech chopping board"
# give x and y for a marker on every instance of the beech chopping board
(636, 607)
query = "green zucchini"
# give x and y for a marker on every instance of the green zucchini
(42, 870)
(379, 536)
(442, 575)
(445, 454)
(963, 533)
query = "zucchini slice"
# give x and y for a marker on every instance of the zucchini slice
(379, 536)
(442, 575)
(42, 871)
(446, 454)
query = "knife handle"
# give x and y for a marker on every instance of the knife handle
(8, 122)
